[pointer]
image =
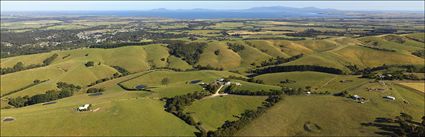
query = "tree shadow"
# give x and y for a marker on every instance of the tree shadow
(387, 126)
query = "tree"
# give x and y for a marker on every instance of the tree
(165, 81)
(89, 64)
(217, 52)
(18, 66)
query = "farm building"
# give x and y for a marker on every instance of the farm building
(85, 107)
(140, 87)
(389, 97)
(195, 81)
(356, 97)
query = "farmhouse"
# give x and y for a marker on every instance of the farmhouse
(85, 107)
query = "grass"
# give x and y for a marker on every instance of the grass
(336, 116)
(129, 117)
(157, 55)
(227, 25)
(226, 58)
(316, 80)
(420, 86)
(178, 81)
(175, 62)
(254, 86)
(212, 112)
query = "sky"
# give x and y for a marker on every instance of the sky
(147, 5)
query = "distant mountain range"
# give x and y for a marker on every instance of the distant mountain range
(256, 12)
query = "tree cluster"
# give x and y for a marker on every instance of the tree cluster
(235, 46)
(274, 69)
(19, 66)
(121, 70)
(231, 127)
(279, 60)
(66, 90)
(95, 90)
(176, 105)
(188, 51)
(419, 53)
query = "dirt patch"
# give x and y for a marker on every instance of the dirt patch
(97, 109)
(48, 103)
(8, 119)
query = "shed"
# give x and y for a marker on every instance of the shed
(389, 97)
(140, 87)
(195, 81)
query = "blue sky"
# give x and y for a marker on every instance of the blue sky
(147, 5)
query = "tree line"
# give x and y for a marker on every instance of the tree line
(275, 69)
(231, 127)
(176, 105)
(65, 90)
(19, 66)
(279, 60)
(35, 82)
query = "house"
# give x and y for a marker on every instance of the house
(220, 80)
(389, 97)
(238, 84)
(228, 83)
(85, 107)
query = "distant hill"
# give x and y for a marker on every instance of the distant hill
(256, 12)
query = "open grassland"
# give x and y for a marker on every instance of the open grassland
(420, 86)
(336, 116)
(119, 113)
(178, 82)
(316, 80)
(227, 25)
(21, 25)
(254, 86)
(217, 54)
(212, 112)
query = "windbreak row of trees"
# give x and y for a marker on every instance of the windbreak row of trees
(35, 82)
(279, 60)
(389, 72)
(176, 105)
(19, 66)
(275, 69)
(65, 90)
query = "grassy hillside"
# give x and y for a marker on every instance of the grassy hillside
(119, 113)
(212, 112)
(178, 82)
(345, 116)
(217, 54)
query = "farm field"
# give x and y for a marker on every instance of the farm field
(135, 75)
(221, 109)
(347, 115)
(417, 86)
